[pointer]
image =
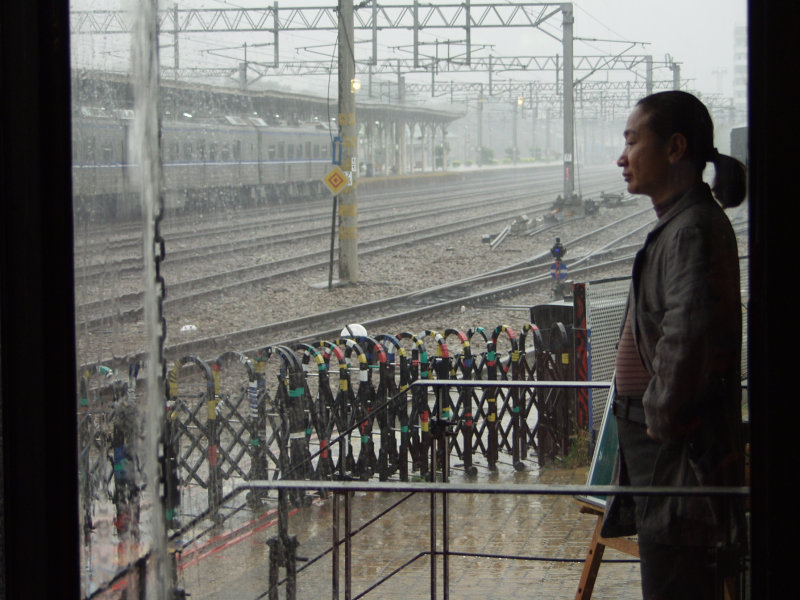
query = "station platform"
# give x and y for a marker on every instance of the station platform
(543, 542)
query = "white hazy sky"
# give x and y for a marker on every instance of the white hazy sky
(696, 33)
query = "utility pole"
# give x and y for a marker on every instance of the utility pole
(348, 131)
(534, 115)
(243, 70)
(547, 146)
(676, 72)
(569, 104)
(276, 27)
(517, 105)
(676, 75)
(480, 128)
(175, 55)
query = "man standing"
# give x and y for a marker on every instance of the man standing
(678, 400)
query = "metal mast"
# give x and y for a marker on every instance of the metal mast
(569, 103)
(348, 130)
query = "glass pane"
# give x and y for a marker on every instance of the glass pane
(448, 165)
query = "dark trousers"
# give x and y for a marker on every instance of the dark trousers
(678, 572)
(669, 572)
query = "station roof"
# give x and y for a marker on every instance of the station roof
(114, 90)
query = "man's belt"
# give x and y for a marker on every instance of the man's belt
(629, 408)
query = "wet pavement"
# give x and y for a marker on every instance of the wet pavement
(548, 533)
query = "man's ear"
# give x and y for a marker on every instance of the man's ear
(676, 147)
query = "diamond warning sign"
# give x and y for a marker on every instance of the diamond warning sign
(335, 180)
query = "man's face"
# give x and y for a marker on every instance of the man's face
(644, 161)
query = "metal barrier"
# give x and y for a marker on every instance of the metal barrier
(229, 422)
(342, 493)
(283, 547)
(348, 409)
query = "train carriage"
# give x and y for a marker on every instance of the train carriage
(99, 160)
(206, 163)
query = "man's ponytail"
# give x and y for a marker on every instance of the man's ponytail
(730, 181)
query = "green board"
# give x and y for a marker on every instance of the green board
(605, 454)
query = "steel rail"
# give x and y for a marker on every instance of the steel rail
(218, 283)
(291, 211)
(543, 258)
(358, 312)
(243, 277)
(265, 240)
(370, 314)
(312, 211)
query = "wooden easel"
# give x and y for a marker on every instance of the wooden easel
(597, 547)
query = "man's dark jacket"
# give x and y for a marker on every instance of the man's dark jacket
(685, 309)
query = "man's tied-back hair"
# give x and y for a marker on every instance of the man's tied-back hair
(680, 112)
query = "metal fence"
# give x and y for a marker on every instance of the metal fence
(341, 409)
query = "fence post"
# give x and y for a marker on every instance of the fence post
(530, 373)
(387, 453)
(320, 409)
(465, 419)
(175, 429)
(362, 410)
(240, 418)
(419, 404)
(515, 402)
(491, 409)
(85, 438)
(565, 409)
(398, 409)
(293, 416)
(481, 408)
(212, 433)
(443, 410)
(342, 410)
(582, 365)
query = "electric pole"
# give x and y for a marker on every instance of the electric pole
(569, 104)
(348, 131)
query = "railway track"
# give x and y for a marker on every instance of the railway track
(186, 227)
(254, 225)
(379, 313)
(129, 307)
(406, 279)
(257, 231)
(529, 277)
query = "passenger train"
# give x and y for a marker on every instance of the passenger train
(206, 163)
